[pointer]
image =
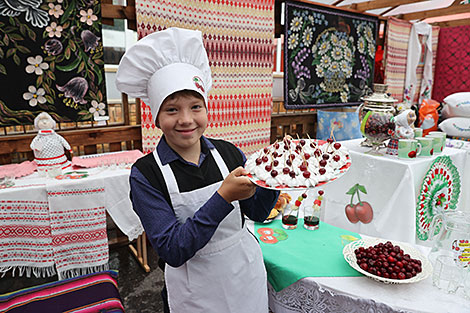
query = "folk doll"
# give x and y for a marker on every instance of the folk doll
(48, 146)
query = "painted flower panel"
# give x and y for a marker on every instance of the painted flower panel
(329, 56)
(51, 60)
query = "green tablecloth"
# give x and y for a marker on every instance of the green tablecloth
(305, 253)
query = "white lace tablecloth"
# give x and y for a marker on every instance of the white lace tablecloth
(392, 186)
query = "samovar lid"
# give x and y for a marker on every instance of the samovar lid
(379, 95)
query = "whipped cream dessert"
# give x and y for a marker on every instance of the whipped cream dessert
(298, 163)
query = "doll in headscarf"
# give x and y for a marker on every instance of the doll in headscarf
(48, 146)
(404, 129)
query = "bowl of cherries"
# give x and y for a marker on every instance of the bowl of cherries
(390, 262)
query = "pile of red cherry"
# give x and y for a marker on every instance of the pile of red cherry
(388, 261)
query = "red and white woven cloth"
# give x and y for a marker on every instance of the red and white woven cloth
(78, 227)
(25, 234)
(238, 37)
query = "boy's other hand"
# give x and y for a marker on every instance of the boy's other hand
(237, 186)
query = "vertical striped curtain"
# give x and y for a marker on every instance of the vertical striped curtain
(238, 36)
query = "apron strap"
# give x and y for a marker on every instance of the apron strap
(170, 178)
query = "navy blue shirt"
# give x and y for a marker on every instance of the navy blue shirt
(177, 242)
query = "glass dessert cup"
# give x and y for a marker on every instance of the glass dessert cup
(312, 213)
(290, 217)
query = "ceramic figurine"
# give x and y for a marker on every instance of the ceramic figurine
(404, 129)
(48, 146)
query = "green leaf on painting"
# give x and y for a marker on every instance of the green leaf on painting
(100, 95)
(49, 58)
(23, 49)
(2, 54)
(39, 80)
(81, 67)
(93, 95)
(6, 41)
(67, 13)
(17, 60)
(67, 53)
(3, 70)
(49, 99)
(51, 75)
(32, 35)
(72, 45)
(68, 67)
(10, 52)
(22, 29)
(16, 37)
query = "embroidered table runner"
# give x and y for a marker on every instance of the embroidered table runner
(305, 253)
(78, 227)
(25, 233)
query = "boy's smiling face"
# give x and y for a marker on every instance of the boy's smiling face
(183, 120)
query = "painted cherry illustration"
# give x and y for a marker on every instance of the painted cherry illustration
(361, 211)
(412, 154)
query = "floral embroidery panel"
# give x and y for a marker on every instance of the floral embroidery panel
(51, 60)
(330, 56)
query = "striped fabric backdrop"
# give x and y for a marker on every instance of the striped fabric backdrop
(238, 36)
(396, 49)
(97, 292)
(396, 45)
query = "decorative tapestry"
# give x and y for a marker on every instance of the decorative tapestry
(51, 60)
(329, 56)
(238, 37)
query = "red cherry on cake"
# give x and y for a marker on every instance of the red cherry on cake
(276, 146)
(307, 156)
(302, 142)
(325, 156)
(323, 163)
(274, 173)
(288, 162)
(292, 156)
(329, 140)
(275, 154)
(259, 161)
(292, 174)
(286, 170)
(268, 167)
(306, 175)
(303, 167)
(336, 158)
(266, 150)
(275, 162)
(321, 192)
(313, 145)
(322, 171)
(317, 152)
(265, 158)
(304, 195)
(337, 145)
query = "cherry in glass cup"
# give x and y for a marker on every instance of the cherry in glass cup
(312, 213)
(290, 217)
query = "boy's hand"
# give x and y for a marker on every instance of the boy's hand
(237, 186)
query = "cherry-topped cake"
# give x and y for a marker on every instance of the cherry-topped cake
(298, 163)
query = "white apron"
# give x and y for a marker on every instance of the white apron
(227, 275)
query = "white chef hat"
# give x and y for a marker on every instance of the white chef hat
(162, 63)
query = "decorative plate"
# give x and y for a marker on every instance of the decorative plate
(350, 257)
(321, 144)
(440, 192)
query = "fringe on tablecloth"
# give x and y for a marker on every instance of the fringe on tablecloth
(74, 272)
(28, 270)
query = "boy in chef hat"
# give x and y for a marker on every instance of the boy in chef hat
(192, 192)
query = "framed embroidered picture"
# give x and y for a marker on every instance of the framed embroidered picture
(328, 56)
(51, 60)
